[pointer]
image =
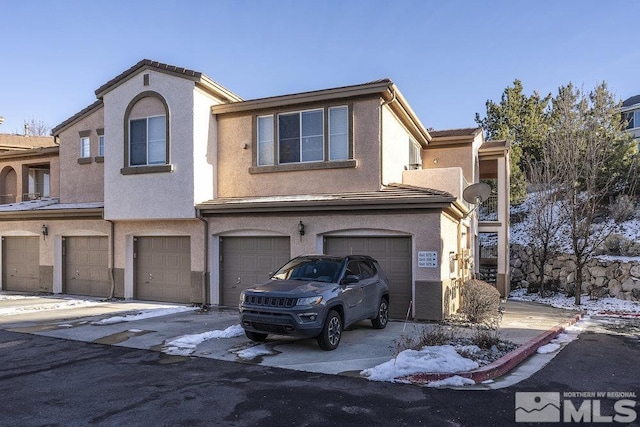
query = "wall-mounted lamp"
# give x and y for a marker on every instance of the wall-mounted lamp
(45, 231)
(301, 228)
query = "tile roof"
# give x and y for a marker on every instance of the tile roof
(11, 142)
(631, 101)
(391, 196)
(56, 130)
(455, 132)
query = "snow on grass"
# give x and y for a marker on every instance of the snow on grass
(62, 304)
(186, 344)
(608, 305)
(145, 314)
(443, 358)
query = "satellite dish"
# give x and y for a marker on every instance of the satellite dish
(477, 193)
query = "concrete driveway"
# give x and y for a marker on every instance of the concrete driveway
(361, 347)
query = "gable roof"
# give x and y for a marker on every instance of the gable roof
(146, 64)
(452, 133)
(80, 114)
(631, 101)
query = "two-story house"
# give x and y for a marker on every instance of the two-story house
(201, 194)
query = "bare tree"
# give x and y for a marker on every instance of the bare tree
(585, 140)
(545, 214)
(35, 127)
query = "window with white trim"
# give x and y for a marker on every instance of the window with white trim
(100, 145)
(303, 136)
(633, 119)
(85, 145)
(147, 141)
(415, 156)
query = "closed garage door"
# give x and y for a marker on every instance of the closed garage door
(21, 264)
(163, 268)
(86, 266)
(394, 256)
(247, 261)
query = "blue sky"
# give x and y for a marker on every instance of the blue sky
(446, 56)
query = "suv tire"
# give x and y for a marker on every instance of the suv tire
(255, 336)
(381, 320)
(331, 332)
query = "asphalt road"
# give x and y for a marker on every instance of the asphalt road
(55, 382)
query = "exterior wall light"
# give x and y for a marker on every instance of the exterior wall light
(301, 228)
(45, 231)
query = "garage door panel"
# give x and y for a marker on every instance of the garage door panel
(163, 268)
(247, 261)
(394, 256)
(21, 263)
(86, 267)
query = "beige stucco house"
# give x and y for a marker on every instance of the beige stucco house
(172, 188)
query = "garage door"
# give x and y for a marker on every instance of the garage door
(21, 264)
(394, 256)
(86, 266)
(249, 260)
(163, 268)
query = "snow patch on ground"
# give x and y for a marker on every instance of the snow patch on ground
(443, 358)
(254, 352)
(63, 304)
(186, 344)
(454, 381)
(609, 306)
(145, 314)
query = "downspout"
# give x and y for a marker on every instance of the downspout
(206, 272)
(112, 258)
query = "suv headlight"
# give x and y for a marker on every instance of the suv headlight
(241, 297)
(310, 300)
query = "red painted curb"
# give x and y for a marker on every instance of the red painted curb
(500, 366)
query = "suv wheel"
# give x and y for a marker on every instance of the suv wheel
(331, 332)
(255, 336)
(381, 320)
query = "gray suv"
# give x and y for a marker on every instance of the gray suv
(317, 296)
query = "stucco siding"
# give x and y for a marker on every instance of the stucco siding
(150, 195)
(81, 182)
(395, 148)
(204, 143)
(235, 158)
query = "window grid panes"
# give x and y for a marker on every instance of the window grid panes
(414, 153)
(101, 145)
(84, 147)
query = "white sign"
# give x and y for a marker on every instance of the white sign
(427, 259)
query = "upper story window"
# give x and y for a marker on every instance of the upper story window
(633, 119)
(147, 142)
(305, 136)
(147, 135)
(100, 145)
(85, 145)
(415, 153)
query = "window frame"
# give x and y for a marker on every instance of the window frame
(127, 169)
(85, 147)
(147, 142)
(415, 153)
(101, 145)
(326, 163)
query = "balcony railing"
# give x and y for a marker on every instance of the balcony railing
(488, 210)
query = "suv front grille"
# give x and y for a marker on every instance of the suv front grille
(270, 301)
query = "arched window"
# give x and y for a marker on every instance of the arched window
(146, 134)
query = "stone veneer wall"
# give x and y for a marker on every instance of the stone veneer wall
(602, 277)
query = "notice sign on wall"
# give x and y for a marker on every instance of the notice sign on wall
(427, 259)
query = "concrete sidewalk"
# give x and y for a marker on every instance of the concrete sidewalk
(529, 325)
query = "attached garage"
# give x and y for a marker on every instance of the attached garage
(86, 266)
(163, 268)
(394, 256)
(246, 261)
(21, 264)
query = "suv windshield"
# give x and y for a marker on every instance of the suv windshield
(321, 270)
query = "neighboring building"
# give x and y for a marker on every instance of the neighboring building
(631, 115)
(172, 188)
